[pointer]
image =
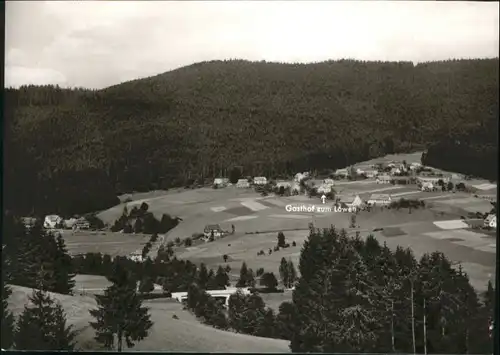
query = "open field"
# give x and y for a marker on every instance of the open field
(168, 334)
(103, 242)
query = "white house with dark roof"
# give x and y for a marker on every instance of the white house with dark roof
(212, 228)
(242, 184)
(379, 199)
(350, 201)
(221, 182)
(52, 221)
(259, 180)
(324, 188)
(490, 221)
(383, 179)
(371, 173)
(329, 182)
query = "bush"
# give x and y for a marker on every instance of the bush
(188, 242)
(177, 241)
(294, 244)
(128, 229)
(281, 239)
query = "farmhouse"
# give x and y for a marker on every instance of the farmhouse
(428, 186)
(242, 184)
(379, 199)
(212, 228)
(371, 173)
(221, 182)
(324, 188)
(350, 201)
(301, 176)
(52, 221)
(490, 221)
(328, 182)
(283, 184)
(259, 180)
(395, 171)
(383, 179)
(29, 222)
(224, 294)
(81, 223)
(136, 256)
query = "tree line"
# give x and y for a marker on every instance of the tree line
(71, 150)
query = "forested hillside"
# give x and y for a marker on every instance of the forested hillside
(73, 150)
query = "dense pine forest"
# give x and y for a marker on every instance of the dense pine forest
(72, 151)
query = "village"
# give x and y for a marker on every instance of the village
(374, 197)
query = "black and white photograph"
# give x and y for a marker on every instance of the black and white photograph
(250, 176)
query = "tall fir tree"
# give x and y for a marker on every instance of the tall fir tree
(292, 274)
(64, 273)
(7, 316)
(284, 272)
(120, 312)
(42, 326)
(221, 279)
(246, 277)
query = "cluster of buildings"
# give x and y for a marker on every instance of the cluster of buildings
(355, 202)
(54, 221)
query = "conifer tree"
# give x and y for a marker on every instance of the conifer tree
(42, 326)
(146, 285)
(246, 277)
(285, 320)
(7, 316)
(63, 269)
(284, 272)
(269, 281)
(291, 273)
(221, 279)
(203, 276)
(120, 312)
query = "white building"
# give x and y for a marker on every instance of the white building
(428, 186)
(52, 221)
(283, 184)
(301, 176)
(221, 182)
(371, 173)
(225, 294)
(81, 223)
(328, 182)
(379, 199)
(395, 171)
(351, 201)
(490, 221)
(324, 189)
(259, 180)
(212, 228)
(242, 184)
(136, 256)
(383, 179)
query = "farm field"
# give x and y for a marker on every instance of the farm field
(168, 334)
(103, 242)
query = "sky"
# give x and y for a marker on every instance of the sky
(96, 44)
